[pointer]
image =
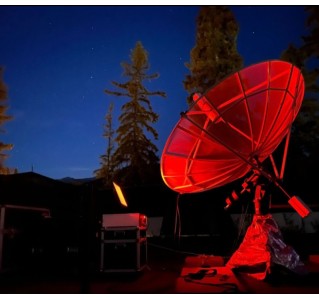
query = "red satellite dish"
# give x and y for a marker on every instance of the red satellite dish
(240, 121)
(231, 130)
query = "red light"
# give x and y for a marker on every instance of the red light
(143, 221)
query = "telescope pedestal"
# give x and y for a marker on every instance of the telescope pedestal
(261, 248)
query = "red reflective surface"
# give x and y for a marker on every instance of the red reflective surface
(245, 116)
(262, 248)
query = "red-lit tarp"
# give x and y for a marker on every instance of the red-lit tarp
(245, 116)
(262, 248)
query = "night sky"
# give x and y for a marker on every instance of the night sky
(59, 59)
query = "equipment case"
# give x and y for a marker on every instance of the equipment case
(123, 249)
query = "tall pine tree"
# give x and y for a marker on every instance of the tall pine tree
(215, 53)
(106, 170)
(3, 119)
(135, 159)
(305, 138)
(304, 143)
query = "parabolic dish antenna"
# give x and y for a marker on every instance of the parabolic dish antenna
(231, 130)
(240, 121)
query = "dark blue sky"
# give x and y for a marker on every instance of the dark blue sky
(59, 59)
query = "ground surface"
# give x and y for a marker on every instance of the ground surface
(164, 273)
